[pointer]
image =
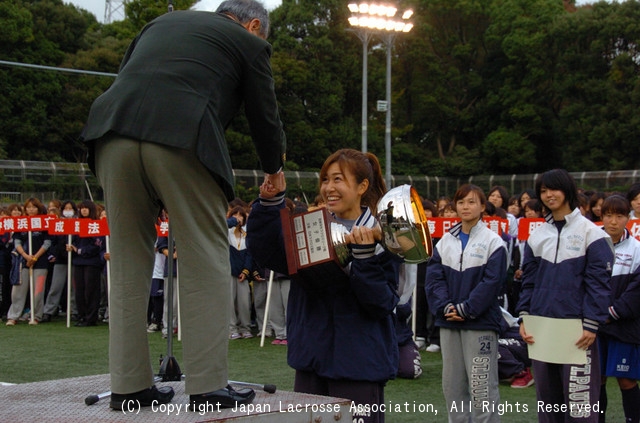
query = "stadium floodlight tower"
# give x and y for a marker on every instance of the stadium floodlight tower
(370, 19)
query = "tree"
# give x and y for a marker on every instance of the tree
(313, 68)
(598, 64)
(446, 70)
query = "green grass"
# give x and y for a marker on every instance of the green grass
(53, 351)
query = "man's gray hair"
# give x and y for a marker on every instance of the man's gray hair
(245, 11)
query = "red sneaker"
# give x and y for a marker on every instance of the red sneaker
(523, 379)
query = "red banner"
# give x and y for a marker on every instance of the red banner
(65, 227)
(82, 227)
(26, 223)
(526, 225)
(162, 229)
(90, 227)
(438, 226)
(634, 228)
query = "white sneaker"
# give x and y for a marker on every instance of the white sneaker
(421, 342)
(153, 327)
(433, 348)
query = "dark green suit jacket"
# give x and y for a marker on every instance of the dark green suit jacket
(182, 80)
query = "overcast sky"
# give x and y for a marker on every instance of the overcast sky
(97, 7)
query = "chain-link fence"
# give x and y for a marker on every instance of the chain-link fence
(20, 179)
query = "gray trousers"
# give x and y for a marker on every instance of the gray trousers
(277, 319)
(260, 303)
(240, 317)
(278, 307)
(470, 375)
(139, 178)
(58, 287)
(19, 294)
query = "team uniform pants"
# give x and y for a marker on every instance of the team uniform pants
(367, 395)
(19, 294)
(240, 318)
(470, 374)
(58, 287)
(138, 179)
(278, 307)
(87, 282)
(576, 387)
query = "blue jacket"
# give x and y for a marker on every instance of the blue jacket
(470, 280)
(624, 308)
(39, 239)
(566, 274)
(344, 329)
(90, 251)
(240, 258)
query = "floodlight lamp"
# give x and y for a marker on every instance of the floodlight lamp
(353, 21)
(408, 27)
(407, 14)
(363, 8)
(353, 8)
(391, 11)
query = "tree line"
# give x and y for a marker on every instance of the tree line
(478, 86)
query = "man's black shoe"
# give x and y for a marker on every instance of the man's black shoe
(46, 318)
(226, 397)
(144, 398)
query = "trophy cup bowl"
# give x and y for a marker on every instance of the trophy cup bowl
(404, 224)
(315, 239)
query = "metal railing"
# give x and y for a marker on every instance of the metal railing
(72, 180)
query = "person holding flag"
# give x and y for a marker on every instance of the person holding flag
(31, 246)
(59, 256)
(87, 268)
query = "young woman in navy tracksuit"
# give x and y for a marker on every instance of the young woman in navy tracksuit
(566, 266)
(87, 269)
(464, 278)
(341, 334)
(619, 338)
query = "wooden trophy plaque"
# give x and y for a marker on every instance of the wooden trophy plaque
(311, 251)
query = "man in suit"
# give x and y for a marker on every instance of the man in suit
(156, 139)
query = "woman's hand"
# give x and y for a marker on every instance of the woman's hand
(525, 336)
(361, 235)
(452, 315)
(30, 260)
(586, 340)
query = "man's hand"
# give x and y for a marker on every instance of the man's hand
(272, 185)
